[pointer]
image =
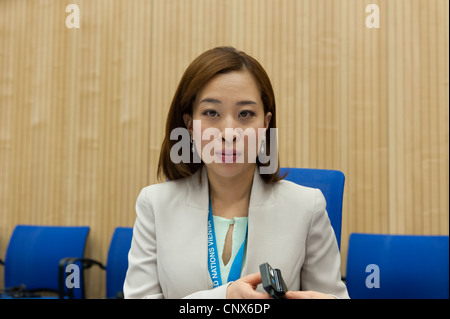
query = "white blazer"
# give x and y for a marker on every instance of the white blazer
(288, 227)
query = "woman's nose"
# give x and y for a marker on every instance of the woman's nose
(228, 137)
(227, 130)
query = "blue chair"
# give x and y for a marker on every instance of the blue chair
(398, 266)
(116, 263)
(33, 255)
(330, 182)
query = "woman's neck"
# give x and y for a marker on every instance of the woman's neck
(230, 197)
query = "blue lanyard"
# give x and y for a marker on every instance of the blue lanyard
(213, 258)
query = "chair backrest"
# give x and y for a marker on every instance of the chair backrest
(397, 266)
(117, 263)
(331, 183)
(34, 252)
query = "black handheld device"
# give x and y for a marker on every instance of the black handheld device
(272, 281)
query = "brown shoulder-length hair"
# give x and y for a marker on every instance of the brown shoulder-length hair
(216, 61)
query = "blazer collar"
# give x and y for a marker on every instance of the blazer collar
(198, 197)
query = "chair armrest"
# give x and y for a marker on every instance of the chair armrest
(86, 263)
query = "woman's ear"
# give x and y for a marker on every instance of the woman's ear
(267, 119)
(187, 118)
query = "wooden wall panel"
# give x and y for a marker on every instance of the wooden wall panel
(82, 111)
(418, 117)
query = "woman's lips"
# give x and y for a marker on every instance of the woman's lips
(228, 156)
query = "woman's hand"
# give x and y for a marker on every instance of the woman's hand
(244, 288)
(307, 295)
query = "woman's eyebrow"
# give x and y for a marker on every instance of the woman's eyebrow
(215, 101)
(246, 102)
(210, 100)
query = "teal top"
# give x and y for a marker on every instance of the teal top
(221, 226)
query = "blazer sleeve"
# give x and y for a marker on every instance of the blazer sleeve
(141, 280)
(215, 293)
(321, 268)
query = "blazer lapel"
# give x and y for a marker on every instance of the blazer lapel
(262, 202)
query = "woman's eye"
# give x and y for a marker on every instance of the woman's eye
(247, 114)
(210, 113)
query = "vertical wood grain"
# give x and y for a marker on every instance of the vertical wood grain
(82, 111)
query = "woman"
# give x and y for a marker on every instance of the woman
(204, 233)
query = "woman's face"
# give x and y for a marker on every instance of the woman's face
(231, 112)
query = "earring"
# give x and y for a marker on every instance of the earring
(263, 149)
(193, 146)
